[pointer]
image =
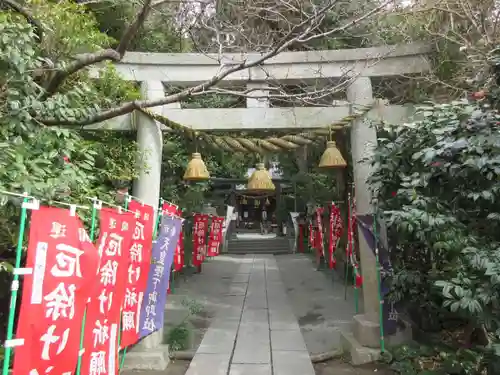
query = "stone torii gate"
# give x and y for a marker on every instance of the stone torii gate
(152, 70)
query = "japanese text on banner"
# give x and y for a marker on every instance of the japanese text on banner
(64, 263)
(103, 310)
(179, 250)
(138, 267)
(335, 233)
(199, 238)
(319, 223)
(168, 209)
(215, 236)
(153, 306)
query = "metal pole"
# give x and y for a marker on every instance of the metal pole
(95, 206)
(379, 281)
(15, 287)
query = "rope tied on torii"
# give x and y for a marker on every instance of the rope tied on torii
(260, 145)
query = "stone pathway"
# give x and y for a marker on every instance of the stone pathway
(255, 331)
(318, 301)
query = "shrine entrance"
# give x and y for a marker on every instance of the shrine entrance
(307, 126)
(256, 213)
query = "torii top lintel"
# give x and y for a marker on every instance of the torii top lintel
(191, 68)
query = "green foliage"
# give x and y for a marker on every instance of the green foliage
(438, 186)
(52, 163)
(436, 360)
(159, 33)
(178, 337)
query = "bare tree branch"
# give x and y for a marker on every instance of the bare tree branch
(302, 31)
(84, 60)
(37, 26)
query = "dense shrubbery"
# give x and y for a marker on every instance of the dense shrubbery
(53, 163)
(439, 187)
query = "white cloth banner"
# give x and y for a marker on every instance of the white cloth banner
(227, 221)
(295, 222)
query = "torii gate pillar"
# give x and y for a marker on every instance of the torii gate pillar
(366, 329)
(150, 353)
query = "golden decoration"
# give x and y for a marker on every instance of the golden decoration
(260, 180)
(332, 157)
(196, 169)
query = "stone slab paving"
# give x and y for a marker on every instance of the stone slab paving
(255, 331)
(318, 302)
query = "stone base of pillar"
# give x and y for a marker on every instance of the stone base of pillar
(355, 352)
(362, 344)
(366, 331)
(154, 359)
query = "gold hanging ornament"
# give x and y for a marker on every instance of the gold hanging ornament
(332, 158)
(260, 180)
(244, 201)
(196, 169)
(267, 202)
(256, 203)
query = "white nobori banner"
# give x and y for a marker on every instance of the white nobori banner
(295, 222)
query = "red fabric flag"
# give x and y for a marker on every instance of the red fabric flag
(199, 238)
(64, 263)
(215, 236)
(351, 226)
(301, 238)
(179, 250)
(104, 308)
(359, 278)
(179, 264)
(336, 228)
(138, 267)
(169, 209)
(311, 236)
(319, 234)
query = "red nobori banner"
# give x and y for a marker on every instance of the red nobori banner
(64, 263)
(138, 267)
(215, 237)
(168, 209)
(199, 238)
(301, 238)
(336, 228)
(311, 236)
(319, 234)
(103, 311)
(179, 250)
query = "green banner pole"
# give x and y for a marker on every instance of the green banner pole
(379, 282)
(356, 290)
(95, 207)
(172, 283)
(157, 224)
(15, 287)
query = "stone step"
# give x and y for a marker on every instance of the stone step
(247, 247)
(251, 246)
(355, 352)
(259, 247)
(259, 251)
(259, 243)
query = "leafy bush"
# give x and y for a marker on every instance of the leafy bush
(53, 163)
(438, 184)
